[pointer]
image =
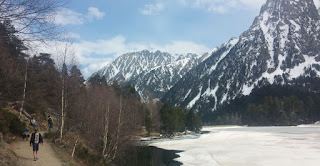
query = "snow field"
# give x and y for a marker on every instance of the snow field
(252, 146)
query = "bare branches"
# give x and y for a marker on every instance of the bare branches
(32, 19)
(65, 54)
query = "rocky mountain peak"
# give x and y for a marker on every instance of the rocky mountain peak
(282, 45)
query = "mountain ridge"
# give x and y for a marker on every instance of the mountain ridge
(280, 46)
(151, 73)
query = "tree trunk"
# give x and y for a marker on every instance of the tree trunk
(118, 129)
(24, 89)
(106, 130)
(62, 109)
(74, 147)
(65, 115)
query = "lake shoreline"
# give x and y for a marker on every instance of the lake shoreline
(238, 145)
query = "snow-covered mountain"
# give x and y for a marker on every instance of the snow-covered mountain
(281, 46)
(151, 73)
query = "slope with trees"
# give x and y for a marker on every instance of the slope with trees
(176, 119)
(104, 119)
(271, 105)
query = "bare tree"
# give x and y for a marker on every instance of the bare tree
(33, 19)
(24, 89)
(74, 146)
(106, 129)
(118, 127)
(112, 118)
(65, 58)
(154, 107)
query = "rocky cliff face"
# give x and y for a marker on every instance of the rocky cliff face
(151, 73)
(281, 46)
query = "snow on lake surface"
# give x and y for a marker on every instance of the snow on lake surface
(249, 146)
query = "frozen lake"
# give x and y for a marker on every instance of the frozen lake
(249, 146)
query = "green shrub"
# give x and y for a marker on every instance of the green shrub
(91, 159)
(3, 104)
(3, 127)
(96, 160)
(50, 135)
(11, 123)
(16, 126)
(82, 152)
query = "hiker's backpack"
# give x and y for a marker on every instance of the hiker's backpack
(50, 120)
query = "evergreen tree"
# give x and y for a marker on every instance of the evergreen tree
(148, 122)
(272, 105)
(193, 121)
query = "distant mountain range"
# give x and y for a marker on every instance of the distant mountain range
(281, 46)
(151, 73)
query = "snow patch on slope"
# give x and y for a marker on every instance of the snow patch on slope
(230, 44)
(265, 27)
(299, 70)
(192, 102)
(317, 4)
(212, 92)
(187, 94)
(215, 97)
(246, 90)
(296, 26)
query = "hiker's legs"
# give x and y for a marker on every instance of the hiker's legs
(35, 150)
(50, 127)
(34, 154)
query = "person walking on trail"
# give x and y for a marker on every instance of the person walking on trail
(50, 123)
(33, 122)
(35, 140)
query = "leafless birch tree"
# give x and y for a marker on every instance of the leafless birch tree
(24, 89)
(65, 58)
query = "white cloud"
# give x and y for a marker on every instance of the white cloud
(69, 17)
(180, 47)
(152, 9)
(93, 55)
(71, 35)
(224, 6)
(66, 16)
(255, 4)
(94, 64)
(118, 45)
(94, 13)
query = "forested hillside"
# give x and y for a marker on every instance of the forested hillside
(98, 112)
(272, 105)
(107, 118)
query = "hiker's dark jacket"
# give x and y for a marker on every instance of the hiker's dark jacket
(50, 120)
(33, 137)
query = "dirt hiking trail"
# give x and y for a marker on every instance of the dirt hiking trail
(46, 155)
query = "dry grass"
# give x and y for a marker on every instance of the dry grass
(64, 156)
(7, 156)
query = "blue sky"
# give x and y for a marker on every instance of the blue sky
(102, 30)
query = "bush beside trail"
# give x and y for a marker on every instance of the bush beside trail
(10, 123)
